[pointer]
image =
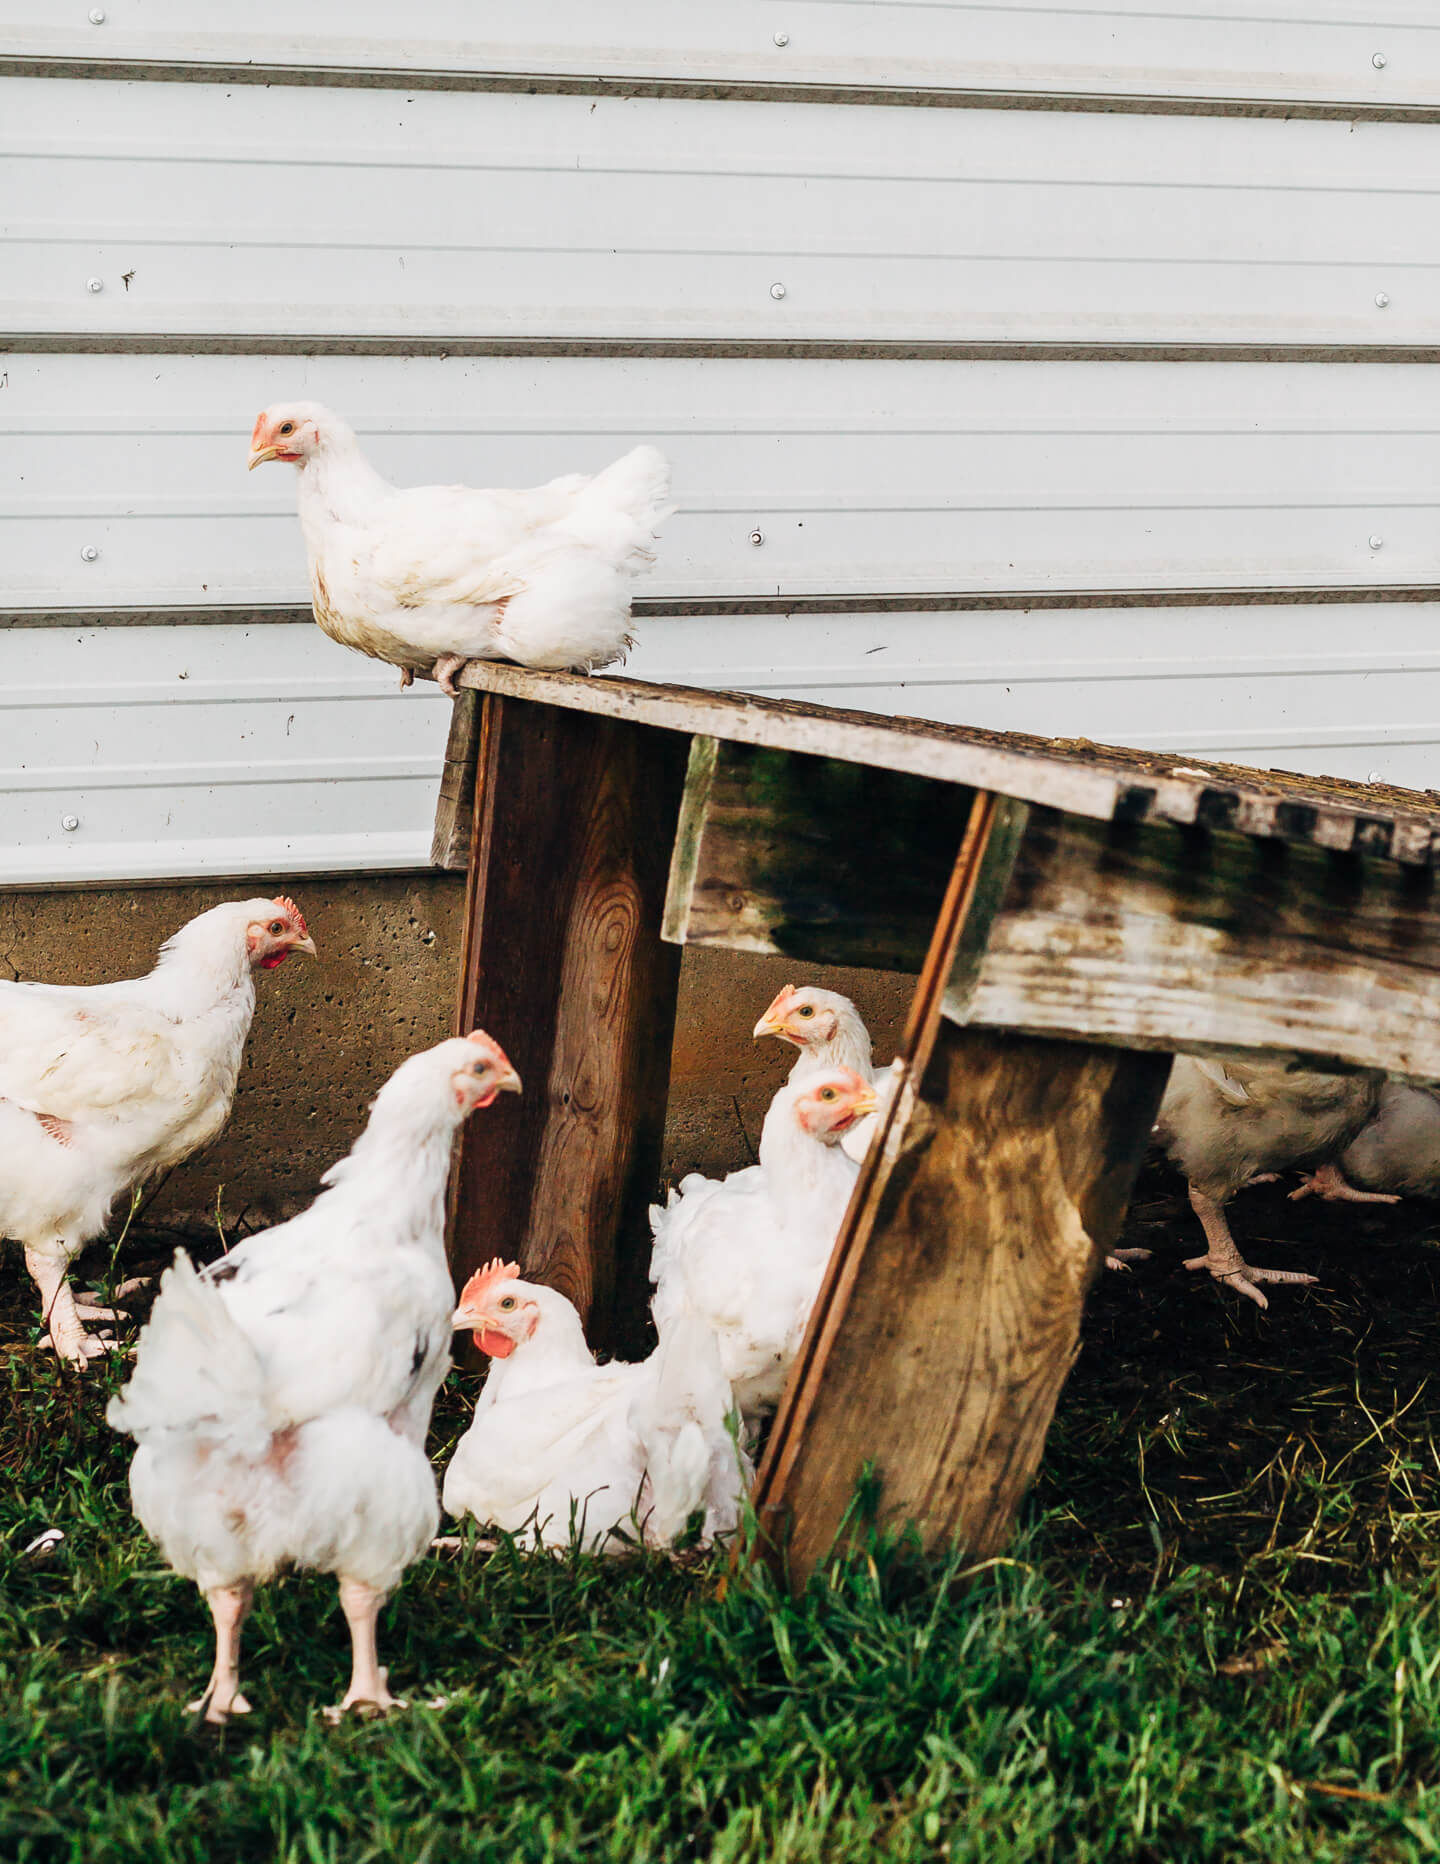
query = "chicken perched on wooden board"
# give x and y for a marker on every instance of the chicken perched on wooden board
(104, 1086)
(431, 576)
(748, 1253)
(609, 1455)
(280, 1398)
(1398, 1152)
(1227, 1123)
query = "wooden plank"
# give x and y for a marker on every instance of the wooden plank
(950, 1311)
(819, 860)
(1156, 937)
(1074, 775)
(563, 963)
(455, 807)
(958, 1320)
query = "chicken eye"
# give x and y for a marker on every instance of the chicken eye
(287, 427)
(277, 926)
(507, 1304)
(479, 1068)
(827, 1093)
(806, 1009)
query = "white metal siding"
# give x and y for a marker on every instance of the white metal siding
(250, 210)
(862, 477)
(208, 750)
(1283, 49)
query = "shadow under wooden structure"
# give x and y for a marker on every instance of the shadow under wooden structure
(1073, 914)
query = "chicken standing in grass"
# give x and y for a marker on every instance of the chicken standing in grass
(104, 1086)
(610, 1454)
(1227, 1124)
(748, 1253)
(431, 576)
(280, 1398)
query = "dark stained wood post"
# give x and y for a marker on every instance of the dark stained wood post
(572, 832)
(950, 1313)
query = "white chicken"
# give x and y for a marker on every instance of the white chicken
(748, 1253)
(610, 1455)
(1227, 1124)
(103, 1086)
(280, 1398)
(431, 576)
(1399, 1151)
(829, 1032)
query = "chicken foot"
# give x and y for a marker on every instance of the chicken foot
(446, 667)
(1121, 1259)
(361, 1606)
(1224, 1260)
(67, 1337)
(1329, 1182)
(229, 1607)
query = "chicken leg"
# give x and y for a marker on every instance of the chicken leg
(361, 1606)
(68, 1337)
(229, 1607)
(1224, 1260)
(1329, 1182)
(446, 667)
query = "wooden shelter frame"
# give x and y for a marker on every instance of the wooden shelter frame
(1074, 914)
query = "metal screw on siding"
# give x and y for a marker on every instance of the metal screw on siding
(97, 16)
(782, 39)
(757, 538)
(94, 284)
(1379, 61)
(777, 291)
(69, 823)
(1382, 298)
(89, 554)
(1376, 543)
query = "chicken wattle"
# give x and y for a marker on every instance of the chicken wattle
(428, 577)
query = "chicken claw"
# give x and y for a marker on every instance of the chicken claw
(1224, 1260)
(1329, 1182)
(1122, 1258)
(445, 669)
(407, 677)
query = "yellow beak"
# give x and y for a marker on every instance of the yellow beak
(767, 1026)
(867, 1103)
(509, 1082)
(305, 944)
(259, 455)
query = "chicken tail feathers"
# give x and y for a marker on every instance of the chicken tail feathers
(621, 509)
(195, 1372)
(691, 1460)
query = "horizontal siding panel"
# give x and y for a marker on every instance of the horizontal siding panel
(861, 478)
(1284, 49)
(210, 210)
(1337, 690)
(186, 751)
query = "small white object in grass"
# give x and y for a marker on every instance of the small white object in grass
(45, 1544)
(661, 1672)
(1119, 1605)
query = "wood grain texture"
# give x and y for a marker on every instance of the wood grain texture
(1097, 780)
(574, 820)
(455, 806)
(818, 860)
(1155, 937)
(961, 1320)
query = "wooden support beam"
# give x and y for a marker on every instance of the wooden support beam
(823, 861)
(950, 1312)
(1154, 937)
(563, 963)
(450, 842)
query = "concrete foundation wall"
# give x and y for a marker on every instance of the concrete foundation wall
(327, 1034)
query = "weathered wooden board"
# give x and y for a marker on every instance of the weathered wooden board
(1157, 937)
(819, 860)
(950, 1311)
(450, 844)
(1084, 779)
(563, 964)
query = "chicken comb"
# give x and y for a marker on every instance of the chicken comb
(287, 905)
(494, 1271)
(259, 423)
(781, 998)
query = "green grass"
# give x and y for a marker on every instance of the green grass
(1218, 1635)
